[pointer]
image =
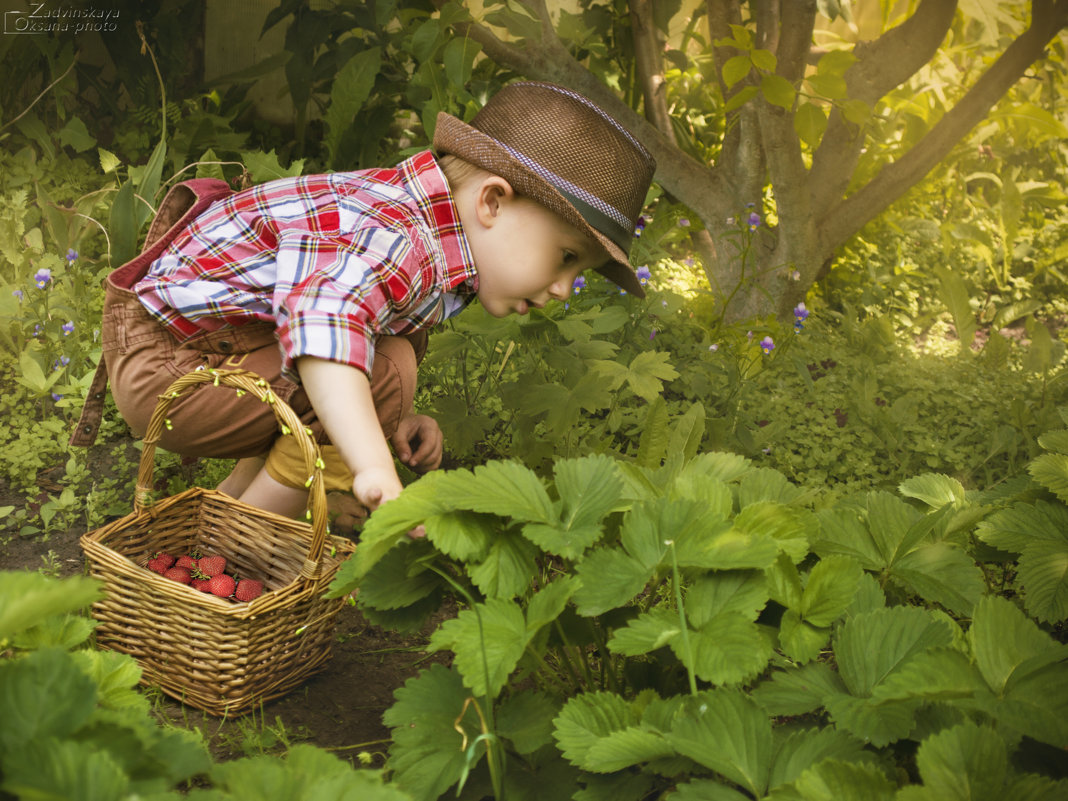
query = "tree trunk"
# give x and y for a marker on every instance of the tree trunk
(815, 216)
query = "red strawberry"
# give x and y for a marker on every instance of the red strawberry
(158, 564)
(222, 585)
(165, 558)
(179, 574)
(187, 562)
(247, 589)
(211, 565)
(202, 584)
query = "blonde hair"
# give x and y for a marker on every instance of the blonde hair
(459, 172)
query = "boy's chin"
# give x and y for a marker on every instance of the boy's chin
(502, 308)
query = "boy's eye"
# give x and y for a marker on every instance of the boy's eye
(570, 256)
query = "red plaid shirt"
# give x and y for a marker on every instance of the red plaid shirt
(332, 260)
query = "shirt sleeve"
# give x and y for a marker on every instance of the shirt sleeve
(335, 294)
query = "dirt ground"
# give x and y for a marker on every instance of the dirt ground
(340, 708)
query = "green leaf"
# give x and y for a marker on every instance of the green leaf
(502, 488)
(1051, 471)
(944, 574)
(526, 719)
(704, 790)
(64, 632)
(1055, 441)
(937, 674)
(769, 527)
(763, 484)
(610, 579)
(833, 780)
(1003, 638)
(801, 750)
(689, 431)
(488, 641)
(43, 694)
(934, 489)
(957, 299)
(75, 135)
(869, 647)
(647, 372)
(122, 226)
(736, 68)
(27, 599)
(116, 676)
(587, 718)
(1019, 526)
(726, 732)
(645, 633)
(830, 588)
(810, 123)
(264, 167)
(108, 160)
(833, 87)
(966, 762)
(798, 691)
(507, 569)
(740, 98)
(64, 769)
(800, 640)
(399, 579)
(351, 88)
(843, 531)
(741, 591)
(459, 59)
(625, 748)
(589, 487)
(426, 755)
(778, 91)
(764, 60)
(465, 536)
(547, 604)
(1043, 571)
(728, 649)
(879, 723)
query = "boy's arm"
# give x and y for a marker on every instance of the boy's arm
(341, 397)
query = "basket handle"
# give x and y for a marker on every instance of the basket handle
(243, 381)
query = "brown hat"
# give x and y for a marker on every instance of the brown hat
(556, 147)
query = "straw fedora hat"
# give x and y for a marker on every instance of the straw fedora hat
(556, 147)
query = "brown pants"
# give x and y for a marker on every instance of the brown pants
(143, 358)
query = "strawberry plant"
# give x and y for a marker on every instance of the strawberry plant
(702, 628)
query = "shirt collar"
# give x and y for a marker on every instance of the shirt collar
(429, 187)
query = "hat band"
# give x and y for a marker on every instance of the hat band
(600, 215)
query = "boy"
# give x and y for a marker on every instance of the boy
(324, 284)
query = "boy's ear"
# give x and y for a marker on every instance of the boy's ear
(492, 192)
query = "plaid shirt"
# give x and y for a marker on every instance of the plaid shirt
(332, 260)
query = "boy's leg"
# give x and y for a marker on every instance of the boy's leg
(241, 476)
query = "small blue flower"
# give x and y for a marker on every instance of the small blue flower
(643, 274)
(579, 284)
(72, 255)
(67, 327)
(767, 344)
(62, 361)
(42, 277)
(56, 396)
(800, 312)
(18, 294)
(754, 220)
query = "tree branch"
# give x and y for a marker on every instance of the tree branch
(848, 216)
(650, 66)
(881, 66)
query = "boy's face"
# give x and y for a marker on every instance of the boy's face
(525, 254)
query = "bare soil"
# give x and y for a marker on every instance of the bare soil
(339, 708)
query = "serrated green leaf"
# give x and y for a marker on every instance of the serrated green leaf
(843, 531)
(801, 750)
(943, 574)
(547, 604)
(610, 578)
(64, 632)
(465, 536)
(399, 579)
(526, 719)
(1015, 528)
(889, 520)
(834, 780)
(801, 640)
(728, 733)
(508, 569)
(116, 676)
(966, 762)
(588, 717)
(765, 485)
(798, 691)
(934, 489)
(721, 465)
(704, 790)
(502, 488)
(741, 591)
(688, 432)
(1055, 441)
(108, 160)
(878, 723)
(937, 674)
(488, 640)
(728, 649)
(647, 373)
(829, 590)
(645, 633)
(264, 167)
(43, 694)
(1051, 471)
(871, 646)
(1003, 638)
(768, 523)
(1043, 571)
(625, 748)
(64, 769)
(589, 487)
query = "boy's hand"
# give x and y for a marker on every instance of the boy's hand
(418, 442)
(376, 485)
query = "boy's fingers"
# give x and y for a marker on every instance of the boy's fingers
(417, 533)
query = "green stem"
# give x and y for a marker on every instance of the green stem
(684, 628)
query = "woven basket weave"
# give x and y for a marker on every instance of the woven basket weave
(208, 652)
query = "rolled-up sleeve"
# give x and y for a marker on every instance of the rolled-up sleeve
(335, 294)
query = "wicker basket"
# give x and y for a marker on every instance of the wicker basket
(208, 652)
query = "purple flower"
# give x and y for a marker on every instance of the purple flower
(62, 361)
(639, 226)
(56, 397)
(18, 294)
(42, 277)
(800, 312)
(767, 344)
(683, 222)
(643, 274)
(795, 275)
(714, 347)
(754, 220)
(67, 327)
(579, 284)
(37, 329)
(622, 291)
(72, 255)
(652, 333)
(688, 261)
